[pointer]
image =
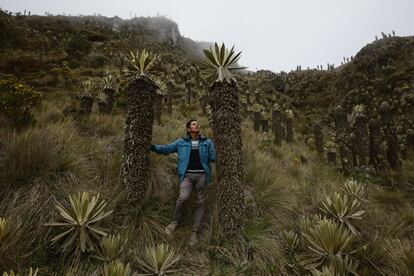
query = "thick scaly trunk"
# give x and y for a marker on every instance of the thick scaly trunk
(137, 141)
(331, 156)
(86, 104)
(390, 135)
(265, 125)
(110, 98)
(277, 127)
(224, 102)
(342, 138)
(361, 140)
(283, 127)
(102, 107)
(289, 130)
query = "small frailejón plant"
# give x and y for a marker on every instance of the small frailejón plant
(290, 241)
(116, 268)
(111, 248)
(81, 230)
(217, 66)
(343, 210)
(354, 189)
(86, 97)
(12, 249)
(325, 240)
(339, 266)
(291, 244)
(159, 260)
(4, 228)
(31, 272)
(141, 92)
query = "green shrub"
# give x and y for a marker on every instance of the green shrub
(17, 102)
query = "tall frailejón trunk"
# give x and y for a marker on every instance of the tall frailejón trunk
(284, 127)
(289, 129)
(361, 139)
(390, 136)
(139, 121)
(225, 111)
(86, 104)
(264, 125)
(110, 98)
(343, 140)
(256, 121)
(277, 126)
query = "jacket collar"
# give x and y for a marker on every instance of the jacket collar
(188, 136)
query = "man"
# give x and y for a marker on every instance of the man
(195, 152)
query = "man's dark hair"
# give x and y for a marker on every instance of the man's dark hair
(188, 124)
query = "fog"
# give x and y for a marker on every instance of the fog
(275, 35)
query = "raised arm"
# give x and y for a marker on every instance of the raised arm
(165, 149)
(211, 151)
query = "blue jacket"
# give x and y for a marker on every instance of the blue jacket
(182, 146)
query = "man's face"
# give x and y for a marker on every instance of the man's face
(194, 127)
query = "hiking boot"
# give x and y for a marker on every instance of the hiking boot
(171, 227)
(194, 239)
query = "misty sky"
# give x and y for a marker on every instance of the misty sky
(276, 35)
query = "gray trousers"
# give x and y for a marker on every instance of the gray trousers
(196, 180)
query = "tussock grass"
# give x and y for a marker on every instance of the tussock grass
(27, 209)
(102, 125)
(58, 157)
(40, 153)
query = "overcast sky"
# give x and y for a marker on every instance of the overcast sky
(273, 34)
